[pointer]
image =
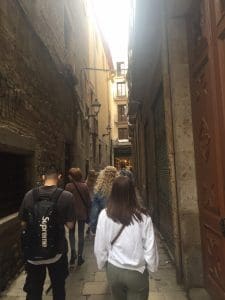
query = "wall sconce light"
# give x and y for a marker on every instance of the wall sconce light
(96, 105)
(108, 129)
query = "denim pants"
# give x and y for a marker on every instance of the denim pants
(35, 279)
(127, 284)
(98, 205)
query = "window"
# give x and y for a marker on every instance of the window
(123, 133)
(120, 68)
(122, 113)
(121, 89)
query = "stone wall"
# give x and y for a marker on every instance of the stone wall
(36, 101)
(10, 254)
(188, 212)
(38, 112)
(166, 68)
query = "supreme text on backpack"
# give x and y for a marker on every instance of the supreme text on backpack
(41, 237)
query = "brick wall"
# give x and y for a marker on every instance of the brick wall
(37, 104)
(44, 105)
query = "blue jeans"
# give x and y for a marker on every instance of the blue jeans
(98, 205)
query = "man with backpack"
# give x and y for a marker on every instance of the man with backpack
(43, 213)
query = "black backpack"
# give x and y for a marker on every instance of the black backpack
(43, 234)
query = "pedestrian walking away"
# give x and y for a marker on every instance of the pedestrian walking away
(91, 180)
(124, 171)
(101, 193)
(43, 213)
(82, 207)
(125, 243)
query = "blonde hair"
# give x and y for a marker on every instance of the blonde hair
(105, 180)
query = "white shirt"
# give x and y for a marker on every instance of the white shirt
(135, 248)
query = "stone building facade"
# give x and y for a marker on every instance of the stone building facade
(121, 145)
(176, 79)
(46, 96)
(100, 82)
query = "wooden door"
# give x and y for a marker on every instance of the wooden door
(209, 134)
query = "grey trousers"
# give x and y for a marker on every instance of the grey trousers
(127, 284)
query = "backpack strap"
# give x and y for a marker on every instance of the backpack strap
(36, 194)
(53, 197)
(81, 196)
(56, 194)
(118, 235)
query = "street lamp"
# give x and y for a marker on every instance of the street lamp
(96, 105)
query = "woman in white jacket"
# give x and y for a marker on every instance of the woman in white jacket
(125, 243)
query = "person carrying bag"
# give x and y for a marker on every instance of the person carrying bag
(125, 243)
(82, 206)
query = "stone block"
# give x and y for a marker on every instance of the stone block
(198, 293)
(99, 297)
(175, 296)
(156, 296)
(100, 276)
(95, 288)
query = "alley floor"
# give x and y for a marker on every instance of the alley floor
(87, 283)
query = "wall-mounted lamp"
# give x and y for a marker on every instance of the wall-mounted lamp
(96, 105)
(108, 129)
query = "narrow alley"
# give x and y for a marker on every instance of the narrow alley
(87, 283)
(99, 98)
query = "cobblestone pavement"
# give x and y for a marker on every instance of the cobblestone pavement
(87, 283)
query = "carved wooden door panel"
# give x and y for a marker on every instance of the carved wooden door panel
(208, 130)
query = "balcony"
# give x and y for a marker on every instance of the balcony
(121, 120)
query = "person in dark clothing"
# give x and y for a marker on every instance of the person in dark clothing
(64, 215)
(124, 172)
(90, 181)
(82, 211)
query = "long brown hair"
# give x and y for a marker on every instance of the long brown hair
(123, 206)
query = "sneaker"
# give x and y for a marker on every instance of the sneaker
(73, 257)
(80, 260)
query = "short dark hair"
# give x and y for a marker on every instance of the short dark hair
(75, 174)
(122, 204)
(122, 164)
(51, 171)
